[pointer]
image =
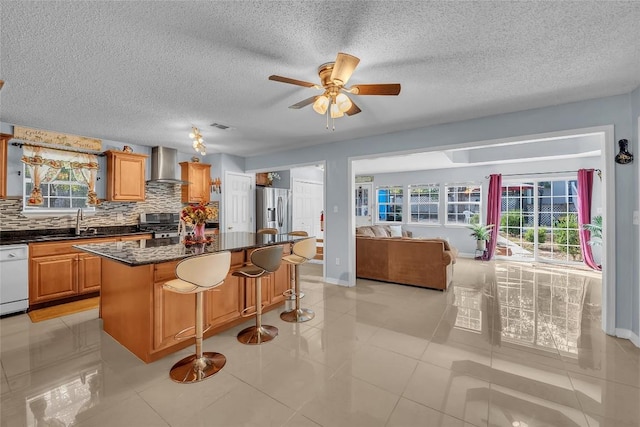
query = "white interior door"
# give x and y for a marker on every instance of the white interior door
(238, 202)
(363, 204)
(308, 203)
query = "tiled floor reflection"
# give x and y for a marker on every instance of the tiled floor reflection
(507, 345)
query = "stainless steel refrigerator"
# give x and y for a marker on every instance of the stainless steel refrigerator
(273, 209)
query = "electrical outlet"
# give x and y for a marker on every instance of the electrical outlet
(337, 261)
(335, 209)
(636, 218)
(119, 216)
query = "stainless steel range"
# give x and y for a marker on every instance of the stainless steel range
(160, 225)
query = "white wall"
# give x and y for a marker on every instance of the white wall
(614, 110)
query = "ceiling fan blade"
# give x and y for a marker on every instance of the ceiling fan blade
(1, 83)
(376, 89)
(291, 81)
(304, 102)
(344, 67)
(353, 110)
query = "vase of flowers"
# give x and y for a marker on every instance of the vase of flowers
(196, 216)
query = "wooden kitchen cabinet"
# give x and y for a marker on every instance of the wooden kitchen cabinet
(125, 176)
(52, 277)
(199, 177)
(4, 143)
(58, 271)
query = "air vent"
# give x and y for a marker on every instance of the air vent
(219, 126)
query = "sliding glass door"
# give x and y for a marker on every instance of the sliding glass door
(539, 221)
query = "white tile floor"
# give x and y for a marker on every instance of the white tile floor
(508, 345)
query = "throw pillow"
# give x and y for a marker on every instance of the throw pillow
(396, 230)
(379, 231)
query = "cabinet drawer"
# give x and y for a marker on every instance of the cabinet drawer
(59, 248)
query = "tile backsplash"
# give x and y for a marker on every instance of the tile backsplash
(160, 197)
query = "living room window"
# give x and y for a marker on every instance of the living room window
(463, 203)
(424, 203)
(390, 201)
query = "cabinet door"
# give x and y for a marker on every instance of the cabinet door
(125, 177)
(89, 273)
(172, 313)
(199, 177)
(224, 304)
(3, 165)
(52, 277)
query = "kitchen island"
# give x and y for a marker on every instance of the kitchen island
(138, 313)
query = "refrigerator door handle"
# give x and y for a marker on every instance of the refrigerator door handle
(280, 216)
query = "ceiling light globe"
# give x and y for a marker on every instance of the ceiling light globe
(192, 135)
(335, 111)
(343, 102)
(321, 104)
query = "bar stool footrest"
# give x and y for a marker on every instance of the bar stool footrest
(192, 369)
(290, 295)
(254, 335)
(297, 315)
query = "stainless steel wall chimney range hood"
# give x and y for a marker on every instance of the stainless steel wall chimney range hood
(163, 165)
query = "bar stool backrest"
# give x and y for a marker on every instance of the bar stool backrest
(205, 271)
(268, 258)
(305, 248)
(267, 231)
(298, 233)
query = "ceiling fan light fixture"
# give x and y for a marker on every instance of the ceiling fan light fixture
(321, 104)
(198, 142)
(335, 111)
(343, 102)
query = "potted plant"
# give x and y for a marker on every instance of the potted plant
(595, 228)
(482, 233)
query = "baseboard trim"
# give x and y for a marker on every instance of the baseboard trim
(628, 335)
(337, 282)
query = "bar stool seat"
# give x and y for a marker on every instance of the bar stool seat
(195, 276)
(267, 231)
(302, 251)
(265, 261)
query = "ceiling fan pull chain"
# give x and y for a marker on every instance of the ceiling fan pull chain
(327, 119)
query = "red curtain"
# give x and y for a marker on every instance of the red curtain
(585, 188)
(494, 209)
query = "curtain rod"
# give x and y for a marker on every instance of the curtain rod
(598, 171)
(69, 149)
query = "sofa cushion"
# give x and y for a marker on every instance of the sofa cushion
(395, 230)
(364, 231)
(379, 231)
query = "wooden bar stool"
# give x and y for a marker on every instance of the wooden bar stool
(302, 251)
(265, 261)
(195, 276)
(290, 294)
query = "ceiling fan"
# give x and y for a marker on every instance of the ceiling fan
(333, 79)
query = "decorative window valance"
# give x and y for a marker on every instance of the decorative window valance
(46, 164)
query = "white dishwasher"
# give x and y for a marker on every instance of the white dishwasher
(14, 278)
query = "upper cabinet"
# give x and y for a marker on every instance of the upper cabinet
(125, 176)
(199, 177)
(4, 142)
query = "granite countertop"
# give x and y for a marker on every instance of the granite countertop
(153, 251)
(61, 234)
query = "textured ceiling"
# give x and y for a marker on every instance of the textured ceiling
(144, 72)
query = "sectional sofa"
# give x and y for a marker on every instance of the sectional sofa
(390, 254)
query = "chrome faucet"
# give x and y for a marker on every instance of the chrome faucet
(79, 217)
